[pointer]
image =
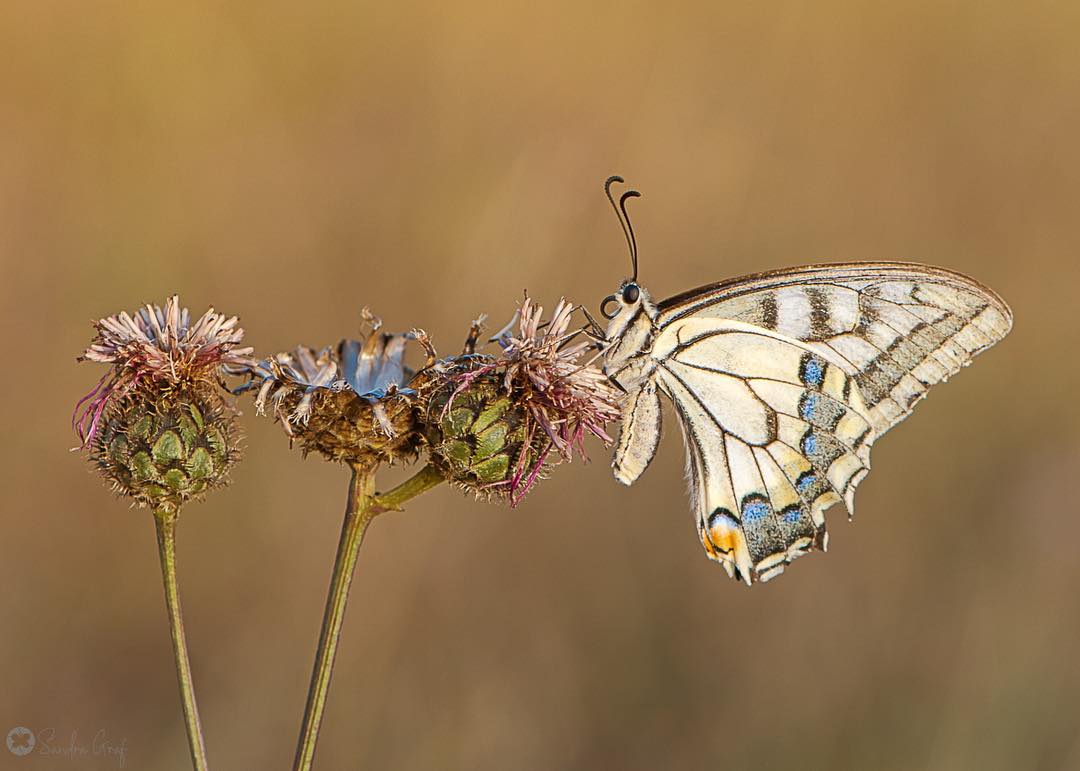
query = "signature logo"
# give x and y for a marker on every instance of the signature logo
(46, 741)
(20, 741)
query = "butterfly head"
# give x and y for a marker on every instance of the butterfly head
(630, 298)
(624, 304)
(631, 314)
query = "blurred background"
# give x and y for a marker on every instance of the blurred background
(291, 163)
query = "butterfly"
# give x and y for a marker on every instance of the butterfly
(781, 382)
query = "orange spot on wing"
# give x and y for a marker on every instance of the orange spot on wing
(725, 539)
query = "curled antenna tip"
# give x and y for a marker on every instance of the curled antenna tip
(610, 181)
(629, 228)
(624, 219)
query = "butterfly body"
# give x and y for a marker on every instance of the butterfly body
(781, 383)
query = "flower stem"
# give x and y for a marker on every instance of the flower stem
(420, 482)
(362, 507)
(357, 518)
(165, 518)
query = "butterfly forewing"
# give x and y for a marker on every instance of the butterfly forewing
(897, 328)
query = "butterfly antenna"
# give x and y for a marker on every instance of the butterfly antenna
(629, 227)
(620, 212)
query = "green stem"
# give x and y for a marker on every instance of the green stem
(166, 538)
(361, 508)
(420, 482)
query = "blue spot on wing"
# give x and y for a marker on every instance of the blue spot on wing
(809, 404)
(721, 514)
(813, 370)
(752, 512)
(809, 444)
(805, 481)
(791, 514)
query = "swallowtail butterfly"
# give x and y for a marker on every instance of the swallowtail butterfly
(782, 382)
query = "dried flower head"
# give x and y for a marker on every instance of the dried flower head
(156, 424)
(350, 402)
(158, 346)
(567, 399)
(495, 423)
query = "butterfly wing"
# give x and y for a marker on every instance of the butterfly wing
(782, 381)
(896, 328)
(775, 433)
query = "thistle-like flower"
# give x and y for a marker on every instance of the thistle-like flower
(354, 403)
(156, 423)
(161, 432)
(495, 423)
(350, 402)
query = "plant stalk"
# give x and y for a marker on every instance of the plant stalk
(165, 518)
(420, 482)
(361, 508)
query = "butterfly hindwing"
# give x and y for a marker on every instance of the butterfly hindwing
(775, 433)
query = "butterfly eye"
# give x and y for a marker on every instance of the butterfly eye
(630, 294)
(609, 314)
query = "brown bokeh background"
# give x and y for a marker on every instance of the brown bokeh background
(291, 163)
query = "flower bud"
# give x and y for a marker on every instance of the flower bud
(477, 434)
(494, 424)
(165, 449)
(157, 424)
